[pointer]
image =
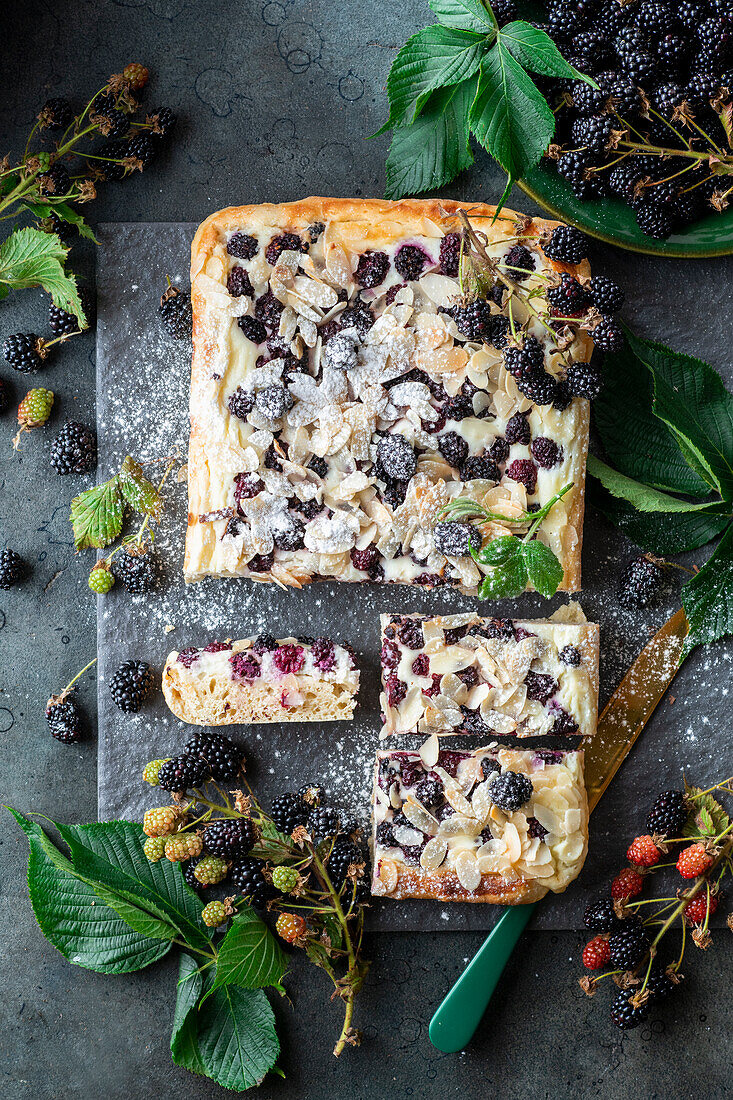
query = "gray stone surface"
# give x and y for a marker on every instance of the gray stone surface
(276, 100)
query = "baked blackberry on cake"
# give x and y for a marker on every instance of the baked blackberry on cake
(495, 825)
(262, 679)
(345, 388)
(489, 677)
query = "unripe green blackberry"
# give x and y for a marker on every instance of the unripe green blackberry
(162, 820)
(151, 771)
(154, 848)
(214, 914)
(35, 408)
(210, 870)
(183, 846)
(101, 579)
(285, 879)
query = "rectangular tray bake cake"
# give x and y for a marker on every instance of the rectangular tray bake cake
(489, 677)
(336, 407)
(489, 825)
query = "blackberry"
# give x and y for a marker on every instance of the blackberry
(519, 257)
(600, 916)
(474, 320)
(668, 815)
(450, 253)
(627, 946)
(606, 295)
(510, 791)
(517, 429)
(74, 450)
(288, 811)
(111, 122)
(565, 20)
(410, 261)
(608, 335)
(701, 88)
(268, 309)
(624, 1014)
(231, 839)
(238, 283)
(319, 466)
(396, 458)
(35, 408)
(569, 298)
(56, 114)
(458, 407)
(659, 984)
(312, 794)
(189, 876)
(538, 386)
(592, 50)
(130, 685)
(274, 401)
(372, 269)
(344, 853)
(340, 352)
(584, 380)
(691, 13)
(715, 33)
(323, 822)
(62, 323)
(358, 316)
(176, 313)
(285, 242)
(569, 655)
(455, 539)
(623, 178)
(546, 452)
(567, 245)
(505, 11)
(526, 359)
(223, 757)
(653, 17)
(594, 133)
(210, 870)
(12, 568)
(672, 50)
(180, 773)
(640, 582)
(499, 450)
(112, 169)
(586, 100)
(429, 791)
(253, 329)
(291, 537)
(247, 875)
(480, 467)
(64, 721)
(666, 97)
(56, 181)
(24, 351)
(562, 397)
(162, 123)
(264, 643)
(142, 148)
(453, 448)
(572, 166)
(499, 330)
(137, 567)
(243, 246)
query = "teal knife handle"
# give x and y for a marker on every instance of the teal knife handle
(461, 1010)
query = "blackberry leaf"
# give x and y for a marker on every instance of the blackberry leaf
(465, 15)
(29, 257)
(139, 493)
(642, 497)
(249, 955)
(96, 515)
(535, 50)
(505, 581)
(63, 211)
(708, 597)
(708, 818)
(543, 569)
(658, 533)
(432, 151)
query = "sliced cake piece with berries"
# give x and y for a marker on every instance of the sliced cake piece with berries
(262, 679)
(492, 825)
(347, 384)
(489, 677)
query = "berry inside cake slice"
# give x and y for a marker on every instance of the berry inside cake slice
(262, 679)
(489, 825)
(489, 677)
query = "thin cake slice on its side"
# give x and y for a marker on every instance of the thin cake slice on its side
(262, 679)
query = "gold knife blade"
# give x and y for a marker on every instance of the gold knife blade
(631, 705)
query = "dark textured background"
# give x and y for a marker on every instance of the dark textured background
(276, 100)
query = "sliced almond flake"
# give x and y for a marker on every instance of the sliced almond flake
(570, 612)
(443, 360)
(389, 875)
(457, 798)
(453, 688)
(547, 819)
(513, 841)
(430, 751)
(459, 825)
(331, 534)
(315, 292)
(499, 722)
(308, 331)
(518, 658)
(481, 801)
(467, 871)
(407, 838)
(434, 853)
(530, 848)
(466, 571)
(447, 710)
(395, 798)
(418, 816)
(441, 289)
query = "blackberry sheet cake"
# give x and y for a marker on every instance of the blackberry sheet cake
(343, 391)
(262, 679)
(490, 825)
(489, 677)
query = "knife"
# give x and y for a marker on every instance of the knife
(624, 717)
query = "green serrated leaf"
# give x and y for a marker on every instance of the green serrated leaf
(71, 916)
(544, 571)
(249, 955)
(637, 442)
(144, 917)
(236, 1040)
(140, 494)
(466, 15)
(499, 551)
(436, 57)
(191, 984)
(708, 597)
(642, 497)
(709, 817)
(505, 581)
(96, 515)
(272, 845)
(63, 211)
(659, 533)
(29, 257)
(534, 50)
(432, 151)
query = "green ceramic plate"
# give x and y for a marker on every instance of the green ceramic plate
(612, 221)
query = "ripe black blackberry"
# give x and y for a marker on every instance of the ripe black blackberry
(372, 269)
(453, 448)
(243, 246)
(586, 99)
(653, 17)
(569, 298)
(176, 313)
(608, 335)
(284, 242)
(479, 466)
(593, 133)
(395, 457)
(505, 11)
(312, 794)
(138, 567)
(567, 245)
(25, 351)
(623, 1013)
(142, 148)
(162, 123)
(528, 358)
(111, 167)
(520, 262)
(691, 13)
(12, 568)
(473, 321)
(659, 984)
(640, 582)
(130, 685)
(429, 791)
(56, 114)
(222, 756)
(668, 815)
(247, 875)
(343, 855)
(112, 123)
(572, 165)
(230, 838)
(667, 97)
(627, 946)
(410, 261)
(323, 822)
(64, 721)
(181, 773)
(253, 329)
(517, 429)
(654, 220)
(600, 916)
(288, 811)
(56, 181)
(74, 450)
(450, 254)
(268, 309)
(584, 380)
(606, 295)
(62, 323)
(510, 791)
(538, 386)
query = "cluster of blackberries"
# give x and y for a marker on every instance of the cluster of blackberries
(662, 69)
(205, 756)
